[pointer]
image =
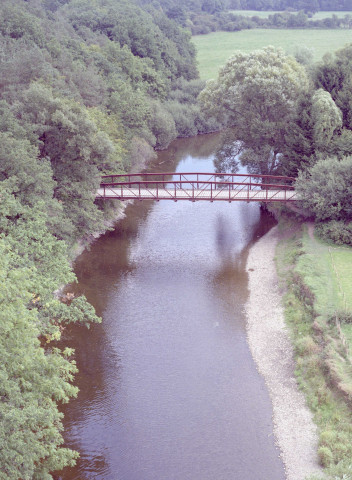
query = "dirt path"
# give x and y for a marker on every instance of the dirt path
(271, 348)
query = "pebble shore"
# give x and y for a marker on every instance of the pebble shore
(272, 351)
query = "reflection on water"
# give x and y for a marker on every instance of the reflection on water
(168, 388)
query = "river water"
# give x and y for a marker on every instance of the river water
(168, 387)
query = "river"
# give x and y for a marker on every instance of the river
(168, 387)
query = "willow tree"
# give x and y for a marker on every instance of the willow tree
(256, 94)
(327, 118)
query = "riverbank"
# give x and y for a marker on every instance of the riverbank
(84, 243)
(272, 351)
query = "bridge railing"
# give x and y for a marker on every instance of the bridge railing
(197, 186)
(199, 178)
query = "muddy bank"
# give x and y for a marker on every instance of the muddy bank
(272, 351)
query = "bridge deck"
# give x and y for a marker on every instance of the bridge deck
(225, 194)
(197, 186)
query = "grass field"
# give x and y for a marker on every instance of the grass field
(316, 16)
(214, 49)
(327, 270)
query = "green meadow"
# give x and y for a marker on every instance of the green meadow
(215, 48)
(327, 271)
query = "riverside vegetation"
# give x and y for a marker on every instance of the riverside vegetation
(90, 87)
(316, 276)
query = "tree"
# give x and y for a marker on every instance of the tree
(178, 14)
(78, 152)
(226, 160)
(32, 381)
(256, 95)
(326, 119)
(299, 147)
(326, 189)
(314, 133)
(35, 375)
(334, 75)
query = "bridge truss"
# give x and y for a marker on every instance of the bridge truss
(198, 186)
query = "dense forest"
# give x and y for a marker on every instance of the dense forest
(89, 87)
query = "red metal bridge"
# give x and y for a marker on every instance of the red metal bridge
(198, 186)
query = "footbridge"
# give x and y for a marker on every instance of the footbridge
(198, 186)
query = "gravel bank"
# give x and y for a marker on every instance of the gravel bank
(271, 348)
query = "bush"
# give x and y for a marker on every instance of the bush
(325, 456)
(337, 231)
(162, 126)
(326, 189)
(306, 346)
(342, 317)
(184, 91)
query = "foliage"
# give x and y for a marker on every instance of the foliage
(145, 35)
(326, 118)
(226, 158)
(162, 126)
(338, 232)
(333, 75)
(255, 94)
(313, 133)
(299, 149)
(32, 381)
(326, 189)
(33, 265)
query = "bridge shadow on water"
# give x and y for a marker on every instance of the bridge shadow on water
(230, 278)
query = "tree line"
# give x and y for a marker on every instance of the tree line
(213, 6)
(234, 21)
(205, 16)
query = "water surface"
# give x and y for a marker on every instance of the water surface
(168, 387)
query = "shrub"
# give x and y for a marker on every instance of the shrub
(184, 117)
(337, 231)
(162, 126)
(325, 456)
(306, 346)
(326, 189)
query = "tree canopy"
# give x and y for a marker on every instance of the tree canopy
(326, 188)
(256, 94)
